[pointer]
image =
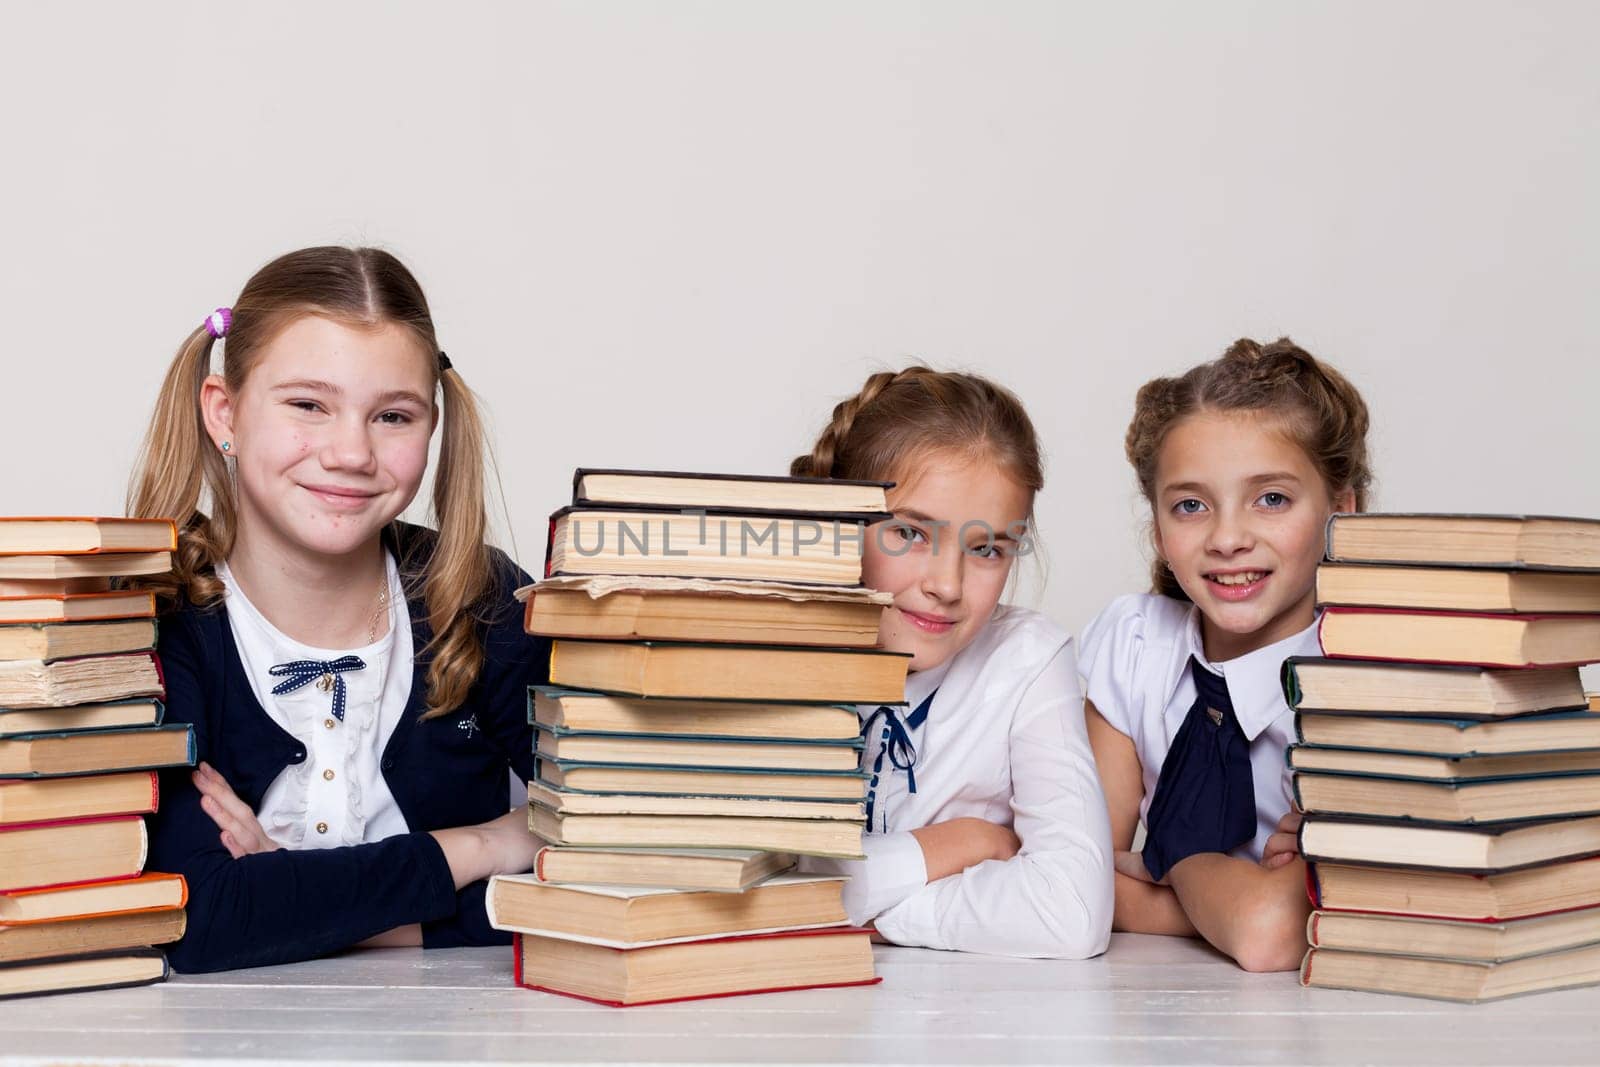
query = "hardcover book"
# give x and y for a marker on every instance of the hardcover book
(577, 711)
(80, 973)
(1468, 801)
(34, 800)
(97, 751)
(1458, 637)
(676, 609)
(1518, 894)
(39, 855)
(716, 967)
(730, 672)
(674, 489)
(67, 640)
(711, 869)
(1505, 541)
(75, 607)
(1468, 849)
(1558, 731)
(62, 536)
(1427, 689)
(1469, 981)
(623, 917)
(821, 549)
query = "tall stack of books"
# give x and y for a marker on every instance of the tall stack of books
(1448, 758)
(710, 634)
(80, 737)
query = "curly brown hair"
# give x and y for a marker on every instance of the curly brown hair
(1318, 407)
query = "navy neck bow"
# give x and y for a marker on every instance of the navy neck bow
(897, 746)
(326, 673)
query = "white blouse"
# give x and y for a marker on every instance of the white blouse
(1004, 741)
(1136, 665)
(337, 794)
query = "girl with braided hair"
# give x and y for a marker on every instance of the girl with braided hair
(1243, 460)
(987, 829)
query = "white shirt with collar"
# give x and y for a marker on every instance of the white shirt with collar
(336, 795)
(1136, 669)
(1004, 741)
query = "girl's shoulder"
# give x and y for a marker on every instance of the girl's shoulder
(1019, 637)
(1137, 618)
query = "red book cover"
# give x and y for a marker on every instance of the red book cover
(1332, 612)
(146, 808)
(833, 931)
(17, 842)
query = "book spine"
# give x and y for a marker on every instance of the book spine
(1313, 883)
(1311, 928)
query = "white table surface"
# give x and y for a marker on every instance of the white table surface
(1150, 1000)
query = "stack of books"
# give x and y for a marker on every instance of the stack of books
(80, 739)
(1448, 758)
(710, 636)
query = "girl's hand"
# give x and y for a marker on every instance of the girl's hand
(512, 847)
(241, 833)
(1284, 845)
(1132, 865)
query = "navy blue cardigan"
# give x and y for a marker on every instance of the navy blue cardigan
(288, 905)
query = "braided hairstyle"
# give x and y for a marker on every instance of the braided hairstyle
(1317, 406)
(886, 430)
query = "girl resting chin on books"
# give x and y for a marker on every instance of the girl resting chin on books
(986, 826)
(356, 684)
(1243, 460)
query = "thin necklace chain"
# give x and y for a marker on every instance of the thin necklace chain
(378, 612)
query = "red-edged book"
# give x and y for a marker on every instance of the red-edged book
(1467, 638)
(39, 855)
(149, 892)
(38, 800)
(662, 972)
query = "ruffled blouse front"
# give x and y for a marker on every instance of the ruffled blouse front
(337, 795)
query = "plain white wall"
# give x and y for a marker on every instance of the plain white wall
(673, 235)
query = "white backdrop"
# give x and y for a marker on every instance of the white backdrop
(673, 235)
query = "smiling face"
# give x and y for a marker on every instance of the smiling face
(1240, 516)
(330, 432)
(938, 558)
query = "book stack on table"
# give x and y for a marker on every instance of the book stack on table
(80, 739)
(710, 636)
(1448, 760)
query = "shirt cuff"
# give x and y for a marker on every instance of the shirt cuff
(894, 869)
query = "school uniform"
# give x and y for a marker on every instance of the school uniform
(1147, 673)
(995, 733)
(363, 861)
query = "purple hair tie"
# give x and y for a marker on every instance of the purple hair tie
(219, 322)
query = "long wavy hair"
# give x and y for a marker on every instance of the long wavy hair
(179, 471)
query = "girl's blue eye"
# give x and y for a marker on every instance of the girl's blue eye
(1273, 500)
(303, 405)
(1188, 506)
(395, 418)
(911, 533)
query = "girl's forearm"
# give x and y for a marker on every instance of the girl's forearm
(1145, 908)
(1255, 915)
